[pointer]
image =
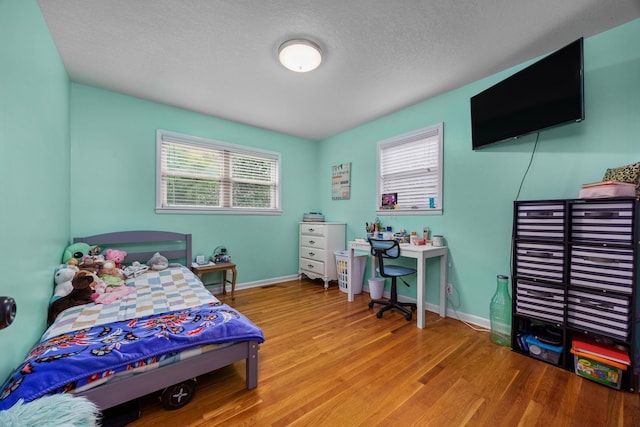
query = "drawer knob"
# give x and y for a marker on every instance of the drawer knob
(540, 254)
(602, 214)
(600, 260)
(596, 304)
(540, 214)
(312, 242)
(311, 253)
(540, 294)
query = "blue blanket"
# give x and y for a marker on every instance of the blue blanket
(72, 360)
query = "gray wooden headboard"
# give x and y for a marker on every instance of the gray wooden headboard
(141, 245)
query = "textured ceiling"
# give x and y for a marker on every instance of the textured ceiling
(219, 57)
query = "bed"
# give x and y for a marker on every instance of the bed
(162, 335)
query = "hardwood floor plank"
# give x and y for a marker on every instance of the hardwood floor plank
(328, 362)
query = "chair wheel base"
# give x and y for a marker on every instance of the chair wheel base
(402, 307)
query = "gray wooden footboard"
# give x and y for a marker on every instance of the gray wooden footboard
(123, 390)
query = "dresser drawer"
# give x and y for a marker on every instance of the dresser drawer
(313, 229)
(312, 253)
(540, 261)
(540, 300)
(311, 265)
(312, 242)
(603, 313)
(602, 222)
(540, 221)
(603, 268)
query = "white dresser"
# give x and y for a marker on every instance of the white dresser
(318, 243)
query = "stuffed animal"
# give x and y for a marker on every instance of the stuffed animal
(115, 255)
(91, 263)
(110, 274)
(105, 294)
(63, 278)
(135, 270)
(158, 262)
(78, 251)
(81, 294)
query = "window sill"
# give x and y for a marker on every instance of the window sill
(221, 211)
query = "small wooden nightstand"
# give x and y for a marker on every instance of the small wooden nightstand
(223, 267)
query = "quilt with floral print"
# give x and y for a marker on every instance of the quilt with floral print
(74, 359)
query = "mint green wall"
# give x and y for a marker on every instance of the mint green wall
(34, 189)
(85, 163)
(113, 148)
(480, 187)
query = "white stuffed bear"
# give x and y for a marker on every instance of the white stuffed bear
(63, 279)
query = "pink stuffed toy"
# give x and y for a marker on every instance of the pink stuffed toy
(104, 294)
(116, 256)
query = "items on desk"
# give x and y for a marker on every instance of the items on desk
(402, 236)
(220, 254)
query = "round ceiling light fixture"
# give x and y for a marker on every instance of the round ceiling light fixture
(300, 55)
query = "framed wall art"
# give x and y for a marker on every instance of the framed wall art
(341, 181)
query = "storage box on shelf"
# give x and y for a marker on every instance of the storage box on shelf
(575, 273)
(599, 362)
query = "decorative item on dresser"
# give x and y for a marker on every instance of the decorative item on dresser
(575, 278)
(318, 242)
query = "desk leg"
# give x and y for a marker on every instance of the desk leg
(443, 285)
(233, 283)
(350, 276)
(420, 293)
(224, 282)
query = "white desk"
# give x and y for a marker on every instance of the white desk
(420, 254)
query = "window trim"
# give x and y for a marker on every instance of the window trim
(426, 132)
(161, 135)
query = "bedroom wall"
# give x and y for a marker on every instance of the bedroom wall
(34, 189)
(113, 146)
(480, 187)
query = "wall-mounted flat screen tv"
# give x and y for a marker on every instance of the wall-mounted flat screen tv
(547, 93)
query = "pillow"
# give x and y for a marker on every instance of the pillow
(629, 173)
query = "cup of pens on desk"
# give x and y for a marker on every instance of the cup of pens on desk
(370, 229)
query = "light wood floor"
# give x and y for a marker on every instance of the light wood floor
(327, 362)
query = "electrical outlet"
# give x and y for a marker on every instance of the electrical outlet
(449, 288)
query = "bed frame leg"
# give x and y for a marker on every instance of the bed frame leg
(252, 365)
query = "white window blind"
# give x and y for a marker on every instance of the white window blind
(200, 175)
(411, 166)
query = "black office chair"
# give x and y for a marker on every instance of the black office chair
(382, 249)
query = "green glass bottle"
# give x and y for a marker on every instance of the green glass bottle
(500, 313)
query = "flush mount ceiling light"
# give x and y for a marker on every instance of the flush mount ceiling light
(300, 55)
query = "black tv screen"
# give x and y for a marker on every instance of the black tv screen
(547, 93)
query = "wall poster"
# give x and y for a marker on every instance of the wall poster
(341, 181)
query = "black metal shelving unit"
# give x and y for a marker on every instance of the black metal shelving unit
(575, 274)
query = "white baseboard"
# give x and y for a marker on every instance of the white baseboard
(217, 289)
(434, 308)
(468, 318)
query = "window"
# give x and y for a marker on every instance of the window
(203, 176)
(410, 172)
